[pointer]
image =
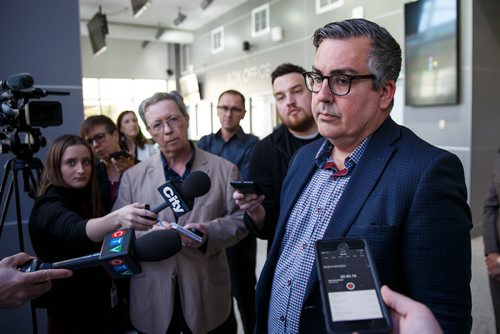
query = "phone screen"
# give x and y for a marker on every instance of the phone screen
(351, 290)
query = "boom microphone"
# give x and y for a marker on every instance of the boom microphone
(120, 254)
(17, 82)
(181, 200)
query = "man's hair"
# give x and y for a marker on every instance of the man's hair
(162, 96)
(92, 121)
(233, 92)
(384, 60)
(52, 176)
(286, 68)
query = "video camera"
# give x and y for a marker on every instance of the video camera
(19, 115)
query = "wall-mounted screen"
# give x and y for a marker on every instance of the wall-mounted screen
(431, 52)
(98, 29)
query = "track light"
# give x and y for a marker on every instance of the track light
(205, 3)
(139, 6)
(160, 32)
(180, 18)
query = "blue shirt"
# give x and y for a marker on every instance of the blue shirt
(172, 175)
(237, 149)
(307, 223)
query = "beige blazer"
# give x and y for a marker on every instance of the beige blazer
(203, 277)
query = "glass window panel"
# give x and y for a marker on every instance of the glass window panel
(200, 119)
(144, 88)
(90, 88)
(263, 115)
(115, 89)
(91, 108)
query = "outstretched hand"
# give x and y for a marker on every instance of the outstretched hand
(409, 316)
(17, 287)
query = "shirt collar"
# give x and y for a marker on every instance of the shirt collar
(171, 174)
(324, 159)
(240, 134)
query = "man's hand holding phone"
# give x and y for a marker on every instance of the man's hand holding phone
(122, 160)
(192, 235)
(249, 198)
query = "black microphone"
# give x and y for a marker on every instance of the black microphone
(120, 254)
(180, 195)
(17, 82)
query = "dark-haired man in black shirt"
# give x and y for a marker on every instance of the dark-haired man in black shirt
(270, 157)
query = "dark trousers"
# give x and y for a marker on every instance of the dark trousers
(242, 259)
(178, 323)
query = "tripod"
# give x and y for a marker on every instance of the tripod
(27, 167)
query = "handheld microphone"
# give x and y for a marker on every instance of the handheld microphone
(17, 82)
(120, 254)
(181, 201)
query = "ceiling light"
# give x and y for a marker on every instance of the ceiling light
(160, 32)
(205, 3)
(180, 18)
(139, 6)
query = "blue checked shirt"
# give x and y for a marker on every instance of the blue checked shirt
(307, 223)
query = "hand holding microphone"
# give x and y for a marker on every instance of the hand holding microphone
(120, 254)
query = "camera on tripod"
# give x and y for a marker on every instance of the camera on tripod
(19, 115)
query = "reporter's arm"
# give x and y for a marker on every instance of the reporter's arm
(130, 216)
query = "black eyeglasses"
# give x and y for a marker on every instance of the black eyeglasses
(339, 84)
(98, 138)
(230, 110)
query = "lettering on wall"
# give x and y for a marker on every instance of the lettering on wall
(252, 73)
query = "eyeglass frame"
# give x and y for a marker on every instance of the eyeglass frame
(230, 110)
(98, 138)
(168, 121)
(328, 77)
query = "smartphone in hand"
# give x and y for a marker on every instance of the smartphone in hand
(350, 289)
(246, 187)
(120, 154)
(194, 234)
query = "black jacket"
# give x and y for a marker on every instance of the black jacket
(268, 167)
(81, 303)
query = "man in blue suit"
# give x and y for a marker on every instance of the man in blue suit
(370, 178)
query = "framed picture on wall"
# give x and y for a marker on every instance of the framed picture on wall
(431, 52)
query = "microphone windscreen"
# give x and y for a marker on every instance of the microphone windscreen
(157, 245)
(196, 184)
(20, 81)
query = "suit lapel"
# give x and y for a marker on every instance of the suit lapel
(155, 169)
(200, 163)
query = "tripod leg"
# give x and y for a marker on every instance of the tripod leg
(18, 212)
(6, 173)
(34, 323)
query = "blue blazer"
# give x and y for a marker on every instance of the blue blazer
(408, 199)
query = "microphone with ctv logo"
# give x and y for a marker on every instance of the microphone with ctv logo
(121, 253)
